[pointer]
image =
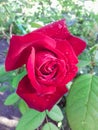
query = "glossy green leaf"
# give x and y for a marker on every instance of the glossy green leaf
(11, 99)
(50, 126)
(82, 103)
(31, 120)
(23, 107)
(55, 114)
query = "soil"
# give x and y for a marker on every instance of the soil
(9, 115)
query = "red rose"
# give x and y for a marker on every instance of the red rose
(50, 54)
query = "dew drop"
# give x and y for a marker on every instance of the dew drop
(59, 26)
(47, 100)
(67, 52)
(51, 26)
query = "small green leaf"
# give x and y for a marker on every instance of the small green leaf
(2, 70)
(93, 48)
(82, 103)
(83, 63)
(17, 78)
(96, 56)
(3, 88)
(36, 25)
(11, 99)
(23, 107)
(84, 59)
(55, 114)
(50, 126)
(4, 76)
(31, 120)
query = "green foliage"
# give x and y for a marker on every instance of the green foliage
(82, 103)
(4, 76)
(84, 59)
(55, 114)
(31, 120)
(23, 107)
(50, 126)
(5, 79)
(17, 78)
(23, 16)
(11, 99)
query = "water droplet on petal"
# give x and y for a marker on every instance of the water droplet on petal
(51, 26)
(67, 52)
(47, 100)
(59, 26)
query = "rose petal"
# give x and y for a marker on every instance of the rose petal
(44, 56)
(66, 49)
(59, 30)
(19, 48)
(40, 88)
(56, 29)
(77, 44)
(40, 103)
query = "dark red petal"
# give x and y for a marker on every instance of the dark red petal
(77, 44)
(71, 61)
(44, 56)
(59, 30)
(40, 103)
(56, 29)
(66, 49)
(42, 90)
(18, 50)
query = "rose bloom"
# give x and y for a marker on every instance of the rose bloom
(50, 57)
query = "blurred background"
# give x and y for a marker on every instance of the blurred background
(23, 16)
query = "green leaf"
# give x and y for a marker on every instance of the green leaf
(36, 25)
(31, 120)
(93, 48)
(23, 107)
(96, 56)
(83, 63)
(17, 78)
(84, 59)
(11, 99)
(55, 114)
(4, 76)
(50, 126)
(2, 88)
(82, 103)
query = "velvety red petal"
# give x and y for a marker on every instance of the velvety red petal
(77, 44)
(56, 29)
(40, 103)
(18, 51)
(70, 59)
(40, 88)
(66, 49)
(59, 30)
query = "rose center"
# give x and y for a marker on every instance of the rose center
(49, 68)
